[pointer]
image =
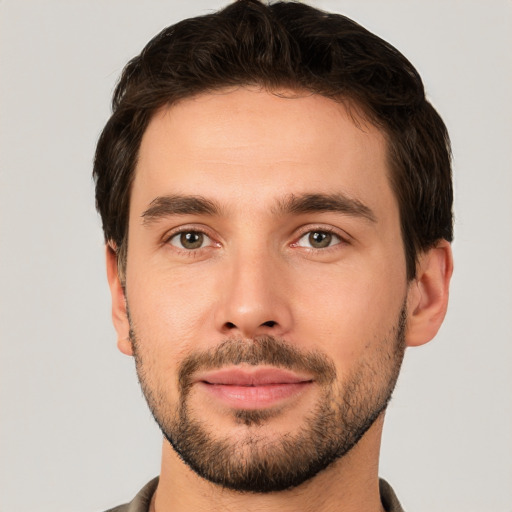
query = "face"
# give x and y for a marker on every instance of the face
(266, 283)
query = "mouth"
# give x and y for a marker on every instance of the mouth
(253, 388)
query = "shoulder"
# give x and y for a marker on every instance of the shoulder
(141, 501)
(388, 497)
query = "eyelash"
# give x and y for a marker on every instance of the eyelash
(183, 230)
(343, 240)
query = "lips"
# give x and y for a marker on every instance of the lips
(249, 388)
(251, 377)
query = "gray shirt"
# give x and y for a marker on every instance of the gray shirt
(142, 501)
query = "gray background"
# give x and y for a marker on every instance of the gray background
(75, 433)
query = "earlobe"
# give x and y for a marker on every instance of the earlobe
(427, 299)
(119, 309)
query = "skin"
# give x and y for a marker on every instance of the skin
(248, 150)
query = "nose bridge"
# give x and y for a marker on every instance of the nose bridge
(253, 301)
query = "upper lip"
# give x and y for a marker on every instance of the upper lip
(258, 376)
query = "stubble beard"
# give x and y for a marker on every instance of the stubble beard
(253, 462)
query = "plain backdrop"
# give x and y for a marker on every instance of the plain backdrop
(75, 432)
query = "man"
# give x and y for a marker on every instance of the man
(276, 199)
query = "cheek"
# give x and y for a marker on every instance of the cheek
(165, 317)
(170, 309)
(349, 312)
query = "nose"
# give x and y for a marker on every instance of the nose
(253, 298)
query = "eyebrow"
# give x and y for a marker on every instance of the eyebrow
(337, 203)
(164, 206)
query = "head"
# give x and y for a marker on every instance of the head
(275, 193)
(293, 46)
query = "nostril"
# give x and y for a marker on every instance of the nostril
(229, 326)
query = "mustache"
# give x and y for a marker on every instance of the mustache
(259, 350)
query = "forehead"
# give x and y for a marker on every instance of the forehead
(232, 143)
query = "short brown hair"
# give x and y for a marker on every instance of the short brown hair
(292, 45)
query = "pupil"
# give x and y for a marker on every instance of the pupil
(319, 239)
(191, 240)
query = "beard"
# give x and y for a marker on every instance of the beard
(257, 462)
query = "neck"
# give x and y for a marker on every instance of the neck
(349, 484)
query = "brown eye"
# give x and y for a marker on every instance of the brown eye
(319, 239)
(189, 240)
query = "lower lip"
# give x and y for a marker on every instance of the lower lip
(254, 397)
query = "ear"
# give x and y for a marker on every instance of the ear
(427, 299)
(119, 310)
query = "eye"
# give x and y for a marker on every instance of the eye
(190, 240)
(318, 239)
